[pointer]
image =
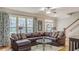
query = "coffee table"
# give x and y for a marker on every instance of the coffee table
(44, 42)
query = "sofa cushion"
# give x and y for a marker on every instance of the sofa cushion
(23, 42)
(29, 35)
(56, 34)
(19, 36)
(60, 34)
(41, 33)
(23, 35)
(50, 34)
(46, 33)
(31, 38)
(14, 36)
(35, 34)
(53, 33)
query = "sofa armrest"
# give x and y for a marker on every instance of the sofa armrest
(13, 39)
(62, 37)
(61, 40)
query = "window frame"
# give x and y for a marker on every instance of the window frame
(17, 23)
(48, 22)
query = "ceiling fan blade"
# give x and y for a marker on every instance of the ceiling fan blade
(71, 13)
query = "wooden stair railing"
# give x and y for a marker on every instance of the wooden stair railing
(71, 25)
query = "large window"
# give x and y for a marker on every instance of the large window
(29, 25)
(12, 24)
(48, 25)
(22, 23)
(17, 22)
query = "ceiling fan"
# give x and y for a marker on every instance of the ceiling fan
(71, 13)
(48, 10)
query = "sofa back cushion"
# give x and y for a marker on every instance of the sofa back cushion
(50, 34)
(23, 36)
(46, 33)
(14, 36)
(41, 33)
(56, 34)
(29, 35)
(19, 36)
(35, 34)
(53, 33)
(61, 34)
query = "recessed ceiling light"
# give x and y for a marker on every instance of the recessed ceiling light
(47, 10)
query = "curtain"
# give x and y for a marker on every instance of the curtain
(35, 25)
(1, 30)
(4, 29)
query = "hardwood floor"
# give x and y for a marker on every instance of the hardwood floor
(66, 48)
(5, 48)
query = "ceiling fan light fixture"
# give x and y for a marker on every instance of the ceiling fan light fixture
(42, 9)
(48, 12)
(53, 7)
(55, 15)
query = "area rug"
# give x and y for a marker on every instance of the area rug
(47, 48)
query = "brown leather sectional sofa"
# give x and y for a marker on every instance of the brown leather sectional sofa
(29, 39)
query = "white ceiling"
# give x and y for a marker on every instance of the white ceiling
(62, 11)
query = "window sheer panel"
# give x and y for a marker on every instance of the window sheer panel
(21, 22)
(29, 22)
(29, 25)
(29, 30)
(13, 30)
(48, 25)
(12, 21)
(12, 24)
(17, 21)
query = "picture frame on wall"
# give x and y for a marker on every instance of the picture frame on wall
(39, 25)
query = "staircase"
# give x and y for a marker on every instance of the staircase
(72, 29)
